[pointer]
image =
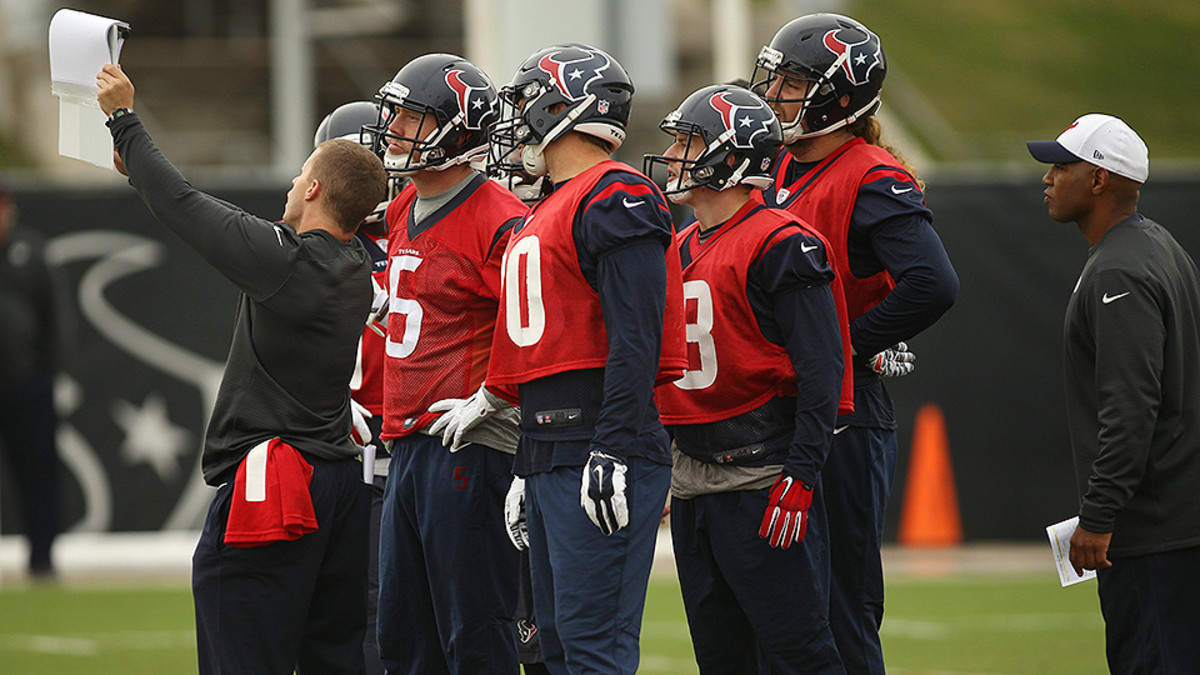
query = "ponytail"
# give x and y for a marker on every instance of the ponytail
(869, 129)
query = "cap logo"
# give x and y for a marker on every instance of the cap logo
(858, 58)
(472, 99)
(1097, 154)
(1073, 125)
(746, 122)
(573, 70)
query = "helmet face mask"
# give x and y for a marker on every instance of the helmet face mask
(455, 101)
(840, 60)
(569, 87)
(740, 136)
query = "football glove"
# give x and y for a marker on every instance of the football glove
(361, 433)
(786, 519)
(895, 361)
(461, 415)
(514, 514)
(602, 492)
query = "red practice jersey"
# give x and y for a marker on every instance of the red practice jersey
(444, 289)
(825, 196)
(732, 367)
(551, 321)
(366, 386)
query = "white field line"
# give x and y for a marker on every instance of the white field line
(90, 644)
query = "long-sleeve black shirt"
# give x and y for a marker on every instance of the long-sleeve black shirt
(304, 300)
(1132, 352)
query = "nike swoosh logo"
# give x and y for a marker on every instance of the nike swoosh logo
(805, 248)
(279, 235)
(1107, 298)
(900, 192)
(840, 430)
(599, 471)
(629, 205)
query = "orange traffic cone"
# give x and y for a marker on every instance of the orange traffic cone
(929, 516)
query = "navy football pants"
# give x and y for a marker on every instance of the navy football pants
(28, 425)
(589, 590)
(290, 605)
(751, 608)
(856, 482)
(447, 571)
(1149, 604)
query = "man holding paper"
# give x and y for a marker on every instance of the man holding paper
(279, 575)
(1132, 352)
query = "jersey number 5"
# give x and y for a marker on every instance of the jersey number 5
(700, 333)
(410, 310)
(524, 311)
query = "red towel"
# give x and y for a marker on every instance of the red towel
(271, 501)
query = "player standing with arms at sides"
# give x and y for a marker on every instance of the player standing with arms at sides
(448, 574)
(753, 416)
(1132, 351)
(822, 75)
(366, 385)
(591, 320)
(279, 574)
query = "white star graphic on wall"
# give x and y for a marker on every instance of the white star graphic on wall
(150, 437)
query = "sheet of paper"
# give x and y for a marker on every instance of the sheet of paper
(1060, 542)
(80, 44)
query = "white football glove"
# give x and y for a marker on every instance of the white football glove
(602, 492)
(461, 415)
(514, 514)
(361, 433)
(895, 361)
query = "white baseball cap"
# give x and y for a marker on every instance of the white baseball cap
(1103, 140)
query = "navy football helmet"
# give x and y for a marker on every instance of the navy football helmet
(594, 89)
(348, 121)
(838, 57)
(731, 122)
(451, 94)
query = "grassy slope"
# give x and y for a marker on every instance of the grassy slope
(1002, 71)
(991, 625)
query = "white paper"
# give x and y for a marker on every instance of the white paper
(80, 45)
(1060, 542)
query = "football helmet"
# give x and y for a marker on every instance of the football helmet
(837, 56)
(457, 103)
(730, 122)
(349, 121)
(594, 89)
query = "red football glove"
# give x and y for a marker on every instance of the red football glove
(786, 519)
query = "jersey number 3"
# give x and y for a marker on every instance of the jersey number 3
(700, 334)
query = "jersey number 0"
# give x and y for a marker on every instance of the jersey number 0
(524, 311)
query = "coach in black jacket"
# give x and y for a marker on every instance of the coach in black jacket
(1132, 349)
(284, 596)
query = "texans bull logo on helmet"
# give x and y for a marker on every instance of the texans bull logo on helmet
(573, 69)
(857, 58)
(746, 122)
(472, 98)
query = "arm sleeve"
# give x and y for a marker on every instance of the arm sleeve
(795, 277)
(253, 253)
(621, 233)
(1129, 336)
(633, 287)
(890, 215)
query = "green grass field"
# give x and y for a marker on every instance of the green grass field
(1000, 72)
(995, 625)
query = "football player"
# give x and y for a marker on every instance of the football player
(366, 386)
(753, 415)
(822, 74)
(448, 575)
(592, 319)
